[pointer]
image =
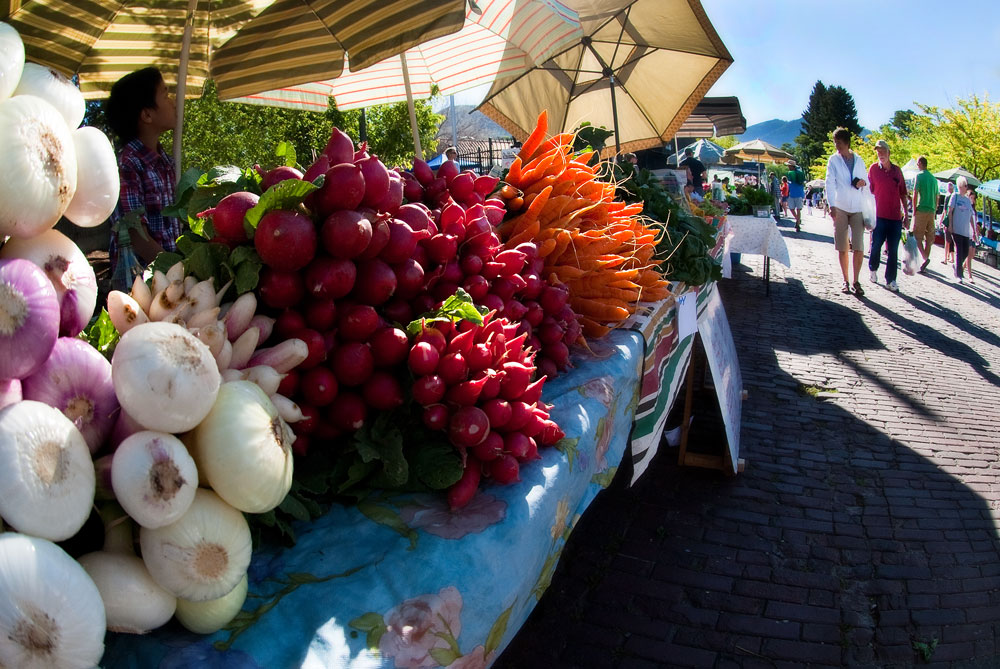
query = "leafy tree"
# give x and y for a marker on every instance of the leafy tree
(902, 121)
(726, 141)
(966, 135)
(828, 108)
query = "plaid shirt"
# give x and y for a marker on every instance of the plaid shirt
(147, 180)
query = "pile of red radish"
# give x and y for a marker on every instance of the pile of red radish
(475, 382)
(510, 282)
(345, 272)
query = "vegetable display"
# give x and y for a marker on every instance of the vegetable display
(596, 246)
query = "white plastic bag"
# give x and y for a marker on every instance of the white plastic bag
(868, 210)
(911, 255)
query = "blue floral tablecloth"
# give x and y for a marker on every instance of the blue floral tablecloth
(400, 581)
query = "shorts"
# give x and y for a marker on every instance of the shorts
(923, 226)
(794, 202)
(844, 221)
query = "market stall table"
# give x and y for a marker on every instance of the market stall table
(754, 236)
(456, 584)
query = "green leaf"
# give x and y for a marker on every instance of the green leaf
(286, 194)
(247, 276)
(386, 516)
(242, 254)
(443, 656)
(568, 447)
(223, 174)
(499, 628)
(373, 625)
(294, 508)
(437, 465)
(102, 335)
(356, 473)
(605, 478)
(457, 307)
(205, 259)
(287, 151)
(384, 441)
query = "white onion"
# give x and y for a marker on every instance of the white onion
(243, 448)
(154, 478)
(133, 602)
(76, 379)
(47, 478)
(97, 180)
(29, 318)
(11, 59)
(51, 614)
(204, 554)
(56, 89)
(69, 271)
(164, 377)
(39, 166)
(211, 616)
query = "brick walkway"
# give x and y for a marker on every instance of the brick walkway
(864, 529)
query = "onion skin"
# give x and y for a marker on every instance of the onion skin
(154, 478)
(69, 271)
(97, 181)
(76, 379)
(39, 166)
(11, 59)
(39, 577)
(211, 616)
(47, 479)
(243, 449)
(29, 318)
(10, 392)
(53, 87)
(133, 602)
(164, 377)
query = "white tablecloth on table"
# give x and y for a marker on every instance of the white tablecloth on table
(755, 236)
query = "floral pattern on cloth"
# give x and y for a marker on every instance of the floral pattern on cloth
(401, 581)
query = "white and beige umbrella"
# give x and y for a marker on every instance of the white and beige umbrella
(640, 67)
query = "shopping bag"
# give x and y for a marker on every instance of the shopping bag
(911, 255)
(868, 210)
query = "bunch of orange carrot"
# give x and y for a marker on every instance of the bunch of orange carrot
(597, 246)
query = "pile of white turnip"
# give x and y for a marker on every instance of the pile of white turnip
(183, 403)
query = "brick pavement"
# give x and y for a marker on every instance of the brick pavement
(864, 529)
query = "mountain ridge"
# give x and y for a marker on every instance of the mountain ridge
(774, 131)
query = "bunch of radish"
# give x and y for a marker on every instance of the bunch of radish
(475, 383)
(510, 282)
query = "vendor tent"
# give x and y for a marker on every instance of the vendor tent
(990, 189)
(714, 117)
(707, 152)
(910, 171)
(955, 172)
(640, 68)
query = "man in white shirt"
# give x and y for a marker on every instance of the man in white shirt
(845, 178)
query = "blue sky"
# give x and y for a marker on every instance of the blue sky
(886, 53)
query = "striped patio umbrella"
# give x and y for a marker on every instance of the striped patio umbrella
(499, 38)
(640, 67)
(297, 40)
(757, 150)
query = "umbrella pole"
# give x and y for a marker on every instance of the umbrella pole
(614, 112)
(409, 105)
(182, 68)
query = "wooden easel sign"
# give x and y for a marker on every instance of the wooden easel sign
(717, 339)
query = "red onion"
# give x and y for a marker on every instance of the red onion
(76, 379)
(69, 271)
(29, 318)
(10, 392)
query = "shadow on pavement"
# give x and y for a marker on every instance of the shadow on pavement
(839, 544)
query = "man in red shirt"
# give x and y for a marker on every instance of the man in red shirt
(891, 201)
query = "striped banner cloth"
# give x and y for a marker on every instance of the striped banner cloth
(665, 365)
(500, 38)
(300, 41)
(102, 41)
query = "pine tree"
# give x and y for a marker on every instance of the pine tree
(829, 107)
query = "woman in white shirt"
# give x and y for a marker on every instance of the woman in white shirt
(846, 176)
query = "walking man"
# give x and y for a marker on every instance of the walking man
(891, 201)
(845, 177)
(796, 192)
(925, 197)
